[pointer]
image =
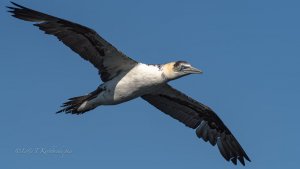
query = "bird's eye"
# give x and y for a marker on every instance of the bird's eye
(182, 67)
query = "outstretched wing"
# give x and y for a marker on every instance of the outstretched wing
(195, 115)
(82, 40)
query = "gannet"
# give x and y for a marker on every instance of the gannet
(125, 79)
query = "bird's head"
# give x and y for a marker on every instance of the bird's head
(178, 69)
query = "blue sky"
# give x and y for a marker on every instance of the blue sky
(249, 52)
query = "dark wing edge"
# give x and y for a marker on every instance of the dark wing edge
(195, 115)
(82, 40)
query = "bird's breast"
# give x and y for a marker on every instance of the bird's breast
(141, 80)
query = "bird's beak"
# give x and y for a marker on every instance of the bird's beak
(193, 70)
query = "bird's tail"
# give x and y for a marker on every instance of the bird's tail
(78, 105)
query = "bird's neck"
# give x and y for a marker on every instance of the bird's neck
(168, 72)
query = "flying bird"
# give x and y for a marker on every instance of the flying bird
(125, 79)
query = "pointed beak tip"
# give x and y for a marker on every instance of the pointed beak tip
(197, 71)
(200, 72)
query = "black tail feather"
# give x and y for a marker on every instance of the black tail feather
(72, 105)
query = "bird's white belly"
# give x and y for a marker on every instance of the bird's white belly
(139, 81)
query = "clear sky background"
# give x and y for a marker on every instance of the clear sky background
(249, 52)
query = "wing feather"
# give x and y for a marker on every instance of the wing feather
(82, 40)
(195, 115)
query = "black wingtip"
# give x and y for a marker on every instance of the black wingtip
(10, 11)
(13, 9)
(59, 111)
(16, 4)
(9, 7)
(246, 157)
(234, 161)
(242, 161)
